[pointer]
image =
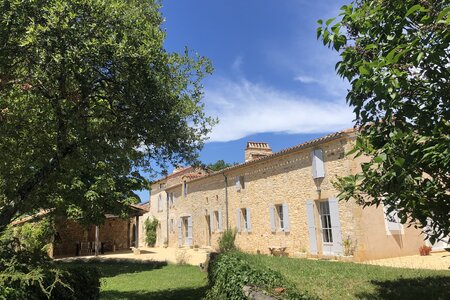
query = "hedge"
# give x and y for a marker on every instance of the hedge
(229, 272)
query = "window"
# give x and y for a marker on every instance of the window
(172, 229)
(185, 188)
(218, 220)
(172, 199)
(240, 183)
(325, 219)
(243, 220)
(162, 186)
(160, 203)
(279, 217)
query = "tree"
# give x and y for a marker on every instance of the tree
(396, 56)
(219, 165)
(88, 98)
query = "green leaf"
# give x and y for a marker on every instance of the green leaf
(363, 69)
(414, 9)
(329, 21)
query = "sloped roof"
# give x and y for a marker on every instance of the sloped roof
(318, 141)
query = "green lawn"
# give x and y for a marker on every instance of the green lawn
(339, 280)
(325, 279)
(133, 280)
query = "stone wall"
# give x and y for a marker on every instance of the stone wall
(280, 179)
(113, 231)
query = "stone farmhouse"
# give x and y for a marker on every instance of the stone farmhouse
(282, 200)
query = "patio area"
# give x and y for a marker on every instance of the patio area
(434, 261)
(171, 255)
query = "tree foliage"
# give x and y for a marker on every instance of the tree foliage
(219, 165)
(89, 96)
(396, 56)
(150, 231)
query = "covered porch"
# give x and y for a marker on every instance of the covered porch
(72, 239)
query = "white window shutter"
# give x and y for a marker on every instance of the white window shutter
(211, 221)
(238, 183)
(335, 226)
(238, 219)
(190, 231)
(249, 220)
(219, 221)
(272, 218)
(311, 227)
(286, 218)
(318, 170)
(180, 233)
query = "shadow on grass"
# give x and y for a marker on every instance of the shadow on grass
(435, 287)
(111, 268)
(175, 294)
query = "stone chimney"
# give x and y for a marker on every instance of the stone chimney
(256, 150)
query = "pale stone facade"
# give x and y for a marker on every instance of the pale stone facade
(274, 201)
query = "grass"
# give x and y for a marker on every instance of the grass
(136, 280)
(339, 280)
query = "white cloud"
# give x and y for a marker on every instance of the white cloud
(246, 108)
(306, 79)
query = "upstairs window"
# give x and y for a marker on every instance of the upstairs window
(172, 199)
(240, 183)
(160, 203)
(185, 188)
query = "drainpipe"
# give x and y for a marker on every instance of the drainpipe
(226, 199)
(167, 219)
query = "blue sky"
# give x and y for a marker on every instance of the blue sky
(273, 80)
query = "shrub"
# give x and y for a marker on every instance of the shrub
(226, 241)
(150, 231)
(424, 250)
(26, 271)
(229, 272)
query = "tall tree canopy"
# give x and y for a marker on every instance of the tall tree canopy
(396, 55)
(89, 96)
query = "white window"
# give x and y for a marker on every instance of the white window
(240, 183)
(279, 218)
(243, 220)
(325, 220)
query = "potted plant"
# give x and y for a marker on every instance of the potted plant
(424, 250)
